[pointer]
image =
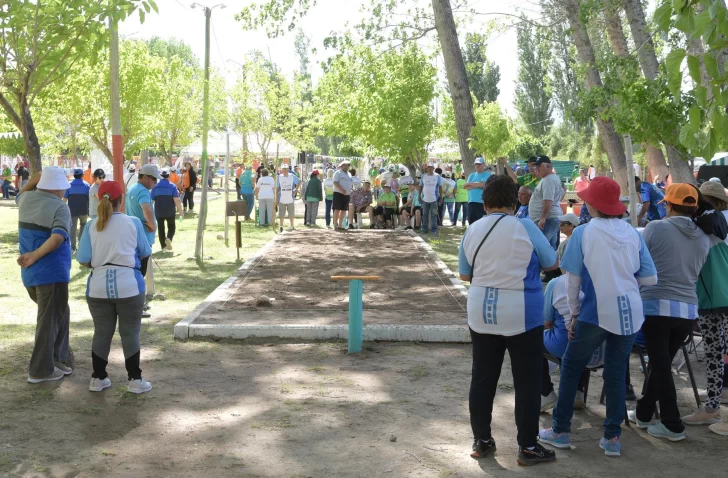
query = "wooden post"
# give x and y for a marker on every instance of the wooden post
(630, 180)
(356, 309)
(227, 176)
(356, 312)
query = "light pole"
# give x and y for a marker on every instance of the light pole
(205, 127)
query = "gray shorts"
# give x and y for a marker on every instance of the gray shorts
(283, 208)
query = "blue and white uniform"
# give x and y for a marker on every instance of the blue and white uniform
(506, 296)
(78, 198)
(163, 195)
(116, 258)
(609, 274)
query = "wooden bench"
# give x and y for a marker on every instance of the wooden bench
(356, 309)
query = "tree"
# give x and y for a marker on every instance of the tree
(483, 74)
(381, 99)
(705, 128)
(40, 41)
(533, 88)
(379, 27)
(173, 48)
(610, 141)
(490, 135)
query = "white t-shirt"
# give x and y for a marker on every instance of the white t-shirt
(430, 187)
(285, 184)
(344, 181)
(265, 187)
(130, 179)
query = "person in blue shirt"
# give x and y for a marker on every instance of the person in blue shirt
(474, 185)
(247, 189)
(651, 199)
(505, 312)
(524, 197)
(77, 198)
(166, 204)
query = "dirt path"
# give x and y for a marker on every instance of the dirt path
(296, 410)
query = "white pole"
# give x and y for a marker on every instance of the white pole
(227, 177)
(630, 180)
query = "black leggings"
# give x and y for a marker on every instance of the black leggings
(162, 231)
(188, 202)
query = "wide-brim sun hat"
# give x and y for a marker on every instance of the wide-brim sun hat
(603, 194)
(715, 190)
(53, 178)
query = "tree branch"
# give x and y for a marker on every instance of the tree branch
(12, 114)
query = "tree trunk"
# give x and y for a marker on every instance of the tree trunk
(655, 158)
(679, 168)
(32, 146)
(457, 79)
(610, 139)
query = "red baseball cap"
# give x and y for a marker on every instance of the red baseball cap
(111, 189)
(603, 195)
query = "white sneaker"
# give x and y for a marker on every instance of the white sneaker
(547, 403)
(168, 244)
(139, 386)
(63, 368)
(632, 417)
(56, 375)
(97, 384)
(702, 417)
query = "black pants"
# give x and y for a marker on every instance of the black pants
(475, 212)
(162, 230)
(526, 355)
(664, 336)
(237, 188)
(188, 202)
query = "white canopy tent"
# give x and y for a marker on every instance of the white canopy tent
(216, 145)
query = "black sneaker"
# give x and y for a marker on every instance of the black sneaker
(538, 455)
(482, 448)
(630, 395)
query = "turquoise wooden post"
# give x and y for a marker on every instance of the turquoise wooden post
(356, 311)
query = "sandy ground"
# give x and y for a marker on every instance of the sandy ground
(296, 273)
(299, 410)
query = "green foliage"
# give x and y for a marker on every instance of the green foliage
(533, 89)
(483, 74)
(490, 136)
(702, 131)
(382, 99)
(40, 41)
(525, 145)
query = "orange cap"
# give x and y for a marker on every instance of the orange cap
(679, 193)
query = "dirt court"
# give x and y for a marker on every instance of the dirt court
(302, 410)
(296, 273)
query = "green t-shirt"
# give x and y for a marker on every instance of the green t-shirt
(459, 172)
(528, 180)
(373, 173)
(461, 195)
(387, 198)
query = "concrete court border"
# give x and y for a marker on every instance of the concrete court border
(188, 329)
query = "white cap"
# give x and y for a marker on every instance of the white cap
(570, 217)
(430, 164)
(284, 166)
(53, 178)
(714, 180)
(346, 161)
(132, 167)
(478, 161)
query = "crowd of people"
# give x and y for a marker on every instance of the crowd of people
(615, 285)
(609, 284)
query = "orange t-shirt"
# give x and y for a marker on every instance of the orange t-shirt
(174, 179)
(238, 172)
(87, 176)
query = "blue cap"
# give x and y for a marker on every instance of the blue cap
(78, 173)
(479, 161)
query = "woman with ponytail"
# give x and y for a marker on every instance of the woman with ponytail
(113, 246)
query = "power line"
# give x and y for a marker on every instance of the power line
(182, 4)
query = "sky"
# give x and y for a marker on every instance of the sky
(229, 42)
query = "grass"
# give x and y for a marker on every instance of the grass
(417, 373)
(177, 275)
(446, 245)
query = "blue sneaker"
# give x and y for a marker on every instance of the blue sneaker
(611, 447)
(658, 430)
(557, 440)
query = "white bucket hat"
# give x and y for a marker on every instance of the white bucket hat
(53, 178)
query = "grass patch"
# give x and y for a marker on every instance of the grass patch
(446, 245)
(317, 369)
(108, 453)
(449, 389)
(4, 461)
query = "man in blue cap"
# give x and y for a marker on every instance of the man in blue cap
(474, 185)
(78, 200)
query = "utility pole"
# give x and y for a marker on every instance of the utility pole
(205, 128)
(117, 142)
(227, 178)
